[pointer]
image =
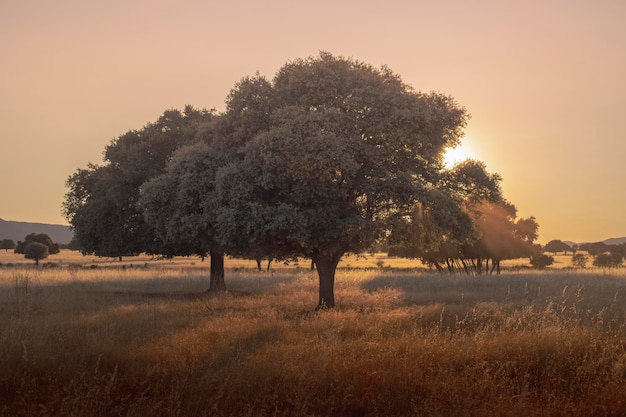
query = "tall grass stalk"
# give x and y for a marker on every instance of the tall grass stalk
(145, 341)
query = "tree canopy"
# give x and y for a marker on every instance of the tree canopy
(467, 230)
(7, 244)
(348, 149)
(329, 157)
(43, 238)
(180, 205)
(36, 251)
(556, 246)
(102, 202)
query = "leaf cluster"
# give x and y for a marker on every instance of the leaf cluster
(102, 203)
(36, 251)
(43, 238)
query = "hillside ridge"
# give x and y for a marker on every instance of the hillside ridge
(17, 231)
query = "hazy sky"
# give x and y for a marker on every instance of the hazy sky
(544, 82)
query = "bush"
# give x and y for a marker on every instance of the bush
(53, 248)
(7, 244)
(36, 251)
(608, 260)
(579, 260)
(541, 261)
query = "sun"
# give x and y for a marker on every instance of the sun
(453, 156)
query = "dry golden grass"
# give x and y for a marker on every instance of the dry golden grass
(74, 258)
(141, 341)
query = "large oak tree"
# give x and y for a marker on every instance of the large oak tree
(348, 149)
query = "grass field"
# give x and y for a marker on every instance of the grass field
(146, 340)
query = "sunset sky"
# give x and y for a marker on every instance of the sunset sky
(544, 81)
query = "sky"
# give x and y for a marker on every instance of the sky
(544, 82)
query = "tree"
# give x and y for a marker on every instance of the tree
(349, 149)
(179, 204)
(479, 226)
(36, 251)
(541, 260)
(7, 244)
(607, 260)
(556, 246)
(53, 248)
(502, 235)
(579, 260)
(102, 202)
(594, 248)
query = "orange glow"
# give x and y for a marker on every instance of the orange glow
(543, 82)
(453, 156)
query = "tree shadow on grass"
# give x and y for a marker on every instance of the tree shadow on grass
(517, 300)
(23, 294)
(515, 288)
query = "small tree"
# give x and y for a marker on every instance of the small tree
(579, 260)
(607, 260)
(7, 244)
(556, 246)
(594, 248)
(541, 261)
(36, 251)
(44, 239)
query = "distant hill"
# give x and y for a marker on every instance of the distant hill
(615, 241)
(611, 241)
(17, 231)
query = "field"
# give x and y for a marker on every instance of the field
(94, 337)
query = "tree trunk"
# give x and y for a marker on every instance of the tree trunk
(438, 266)
(495, 265)
(326, 267)
(216, 278)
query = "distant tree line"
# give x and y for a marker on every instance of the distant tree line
(42, 238)
(485, 226)
(331, 156)
(35, 246)
(7, 244)
(604, 256)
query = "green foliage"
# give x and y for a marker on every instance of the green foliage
(579, 260)
(102, 202)
(470, 181)
(556, 246)
(608, 260)
(463, 234)
(36, 251)
(540, 261)
(329, 157)
(7, 244)
(53, 248)
(180, 205)
(348, 148)
(594, 248)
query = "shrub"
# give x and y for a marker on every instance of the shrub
(36, 251)
(608, 260)
(541, 261)
(579, 260)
